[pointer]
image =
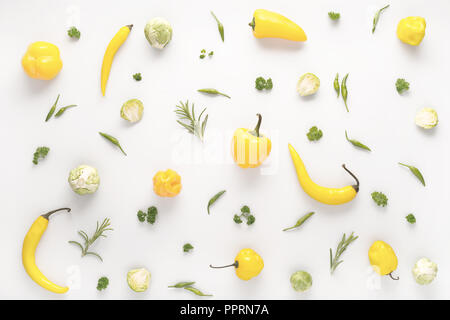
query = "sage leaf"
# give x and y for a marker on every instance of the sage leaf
(415, 172)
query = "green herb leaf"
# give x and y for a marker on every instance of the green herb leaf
(213, 91)
(314, 134)
(342, 246)
(137, 77)
(401, 85)
(187, 247)
(63, 109)
(141, 215)
(334, 15)
(52, 110)
(377, 17)
(356, 143)
(182, 284)
(74, 33)
(40, 153)
(300, 221)
(220, 27)
(411, 218)
(102, 283)
(415, 172)
(380, 198)
(195, 126)
(112, 140)
(215, 198)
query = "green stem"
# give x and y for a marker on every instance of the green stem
(255, 132)
(48, 214)
(235, 264)
(356, 186)
(252, 24)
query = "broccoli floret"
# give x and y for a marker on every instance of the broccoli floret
(245, 209)
(250, 219)
(269, 84)
(237, 219)
(103, 282)
(141, 215)
(137, 76)
(40, 153)
(74, 33)
(411, 218)
(260, 83)
(380, 198)
(151, 214)
(334, 15)
(314, 134)
(187, 247)
(402, 85)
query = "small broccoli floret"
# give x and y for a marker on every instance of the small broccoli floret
(269, 84)
(141, 216)
(250, 219)
(187, 247)
(237, 219)
(74, 33)
(103, 282)
(151, 214)
(260, 83)
(245, 209)
(411, 218)
(334, 15)
(314, 134)
(402, 85)
(137, 77)
(380, 198)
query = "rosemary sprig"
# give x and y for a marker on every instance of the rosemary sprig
(342, 246)
(195, 126)
(99, 232)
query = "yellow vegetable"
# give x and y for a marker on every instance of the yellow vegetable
(411, 30)
(319, 193)
(383, 259)
(167, 183)
(248, 264)
(42, 60)
(267, 24)
(30, 243)
(110, 52)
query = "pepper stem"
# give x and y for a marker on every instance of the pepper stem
(130, 26)
(390, 275)
(255, 132)
(355, 186)
(252, 24)
(235, 264)
(48, 214)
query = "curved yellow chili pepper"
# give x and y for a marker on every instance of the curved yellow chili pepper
(248, 264)
(30, 243)
(268, 24)
(322, 194)
(110, 52)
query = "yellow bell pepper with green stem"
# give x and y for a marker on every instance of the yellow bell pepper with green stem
(248, 264)
(411, 30)
(268, 24)
(42, 60)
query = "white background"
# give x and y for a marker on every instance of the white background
(379, 117)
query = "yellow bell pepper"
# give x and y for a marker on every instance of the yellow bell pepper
(248, 264)
(250, 148)
(383, 259)
(167, 183)
(30, 244)
(411, 30)
(42, 61)
(268, 24)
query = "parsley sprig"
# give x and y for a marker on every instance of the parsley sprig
(245, 213)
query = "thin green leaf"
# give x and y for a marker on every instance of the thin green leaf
(220, 27)
(94, 254)
(63, 109)
(342, 246)
(52, 110)
(113, 141)
(215, 198)
(356, 143)
(377, 17)
(415, 172)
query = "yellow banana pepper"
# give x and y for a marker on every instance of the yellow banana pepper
(30, 244)
(248, 264)
(167, 183)
(268, 24)
(250, 148)
(383, 259)
(42, 61)
(332, 196)
(110, 52)
(411, 30)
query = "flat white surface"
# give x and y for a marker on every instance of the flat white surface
(379, 117)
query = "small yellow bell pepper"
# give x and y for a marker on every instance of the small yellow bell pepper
(250, 148)
(382, 258)
(411, 30)
(268, 24)
(42, 61)
(248, 264)
(167, 183)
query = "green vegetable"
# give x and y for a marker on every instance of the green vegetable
(181, 284)
(334, 15)
(213, 91)
(377, 17)
(424, 271)
(132, 110)
(415, 172)
(344, 91)
(245, 213)
(203, 54)
(336, 85)
(356, 143)
(402, 85)
(219, 26)
(141, 215)
(215, 198)
(63, 109)
(100, 231)
(426, 118)
(380, 198)
(112, 140)
(308, 84)
(195, 126)
(40, 153)
(197, 292)
(151, 214)
(342, 246)
(188, 286)
(300, 221)
(138, 279)
(137, 77)
(52, 110)
(261, 83)
(211, 53)
(187, 247)
(84, 179)
(301, 281)
(269, 84)
(411, 218)
(314, 134)
(103, 283)
(158, 32)
(74, 33)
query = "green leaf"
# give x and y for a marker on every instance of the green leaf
(377, 17)
(411, 218)
(415, 172)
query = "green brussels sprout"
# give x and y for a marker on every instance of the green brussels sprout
(424, 271)
(138, 279)
(158, 32)
(427, 118)
(132, 110)
(84, 179)
(308, 84)
(301, 281)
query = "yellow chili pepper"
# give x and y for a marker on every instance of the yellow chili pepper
(322, 194)
(411, 30)
(42, 60)
(383, 259)
(167, 183)
(250, 148)
(248, 264)
(110, 52)
(30, 244)
(267, 24)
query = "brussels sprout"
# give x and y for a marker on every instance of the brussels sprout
(138, 279)
(132, 110)
(301, 281)
(308, 84)
(158, 32)
(427, 118)
(84, 179)
(424, 271)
